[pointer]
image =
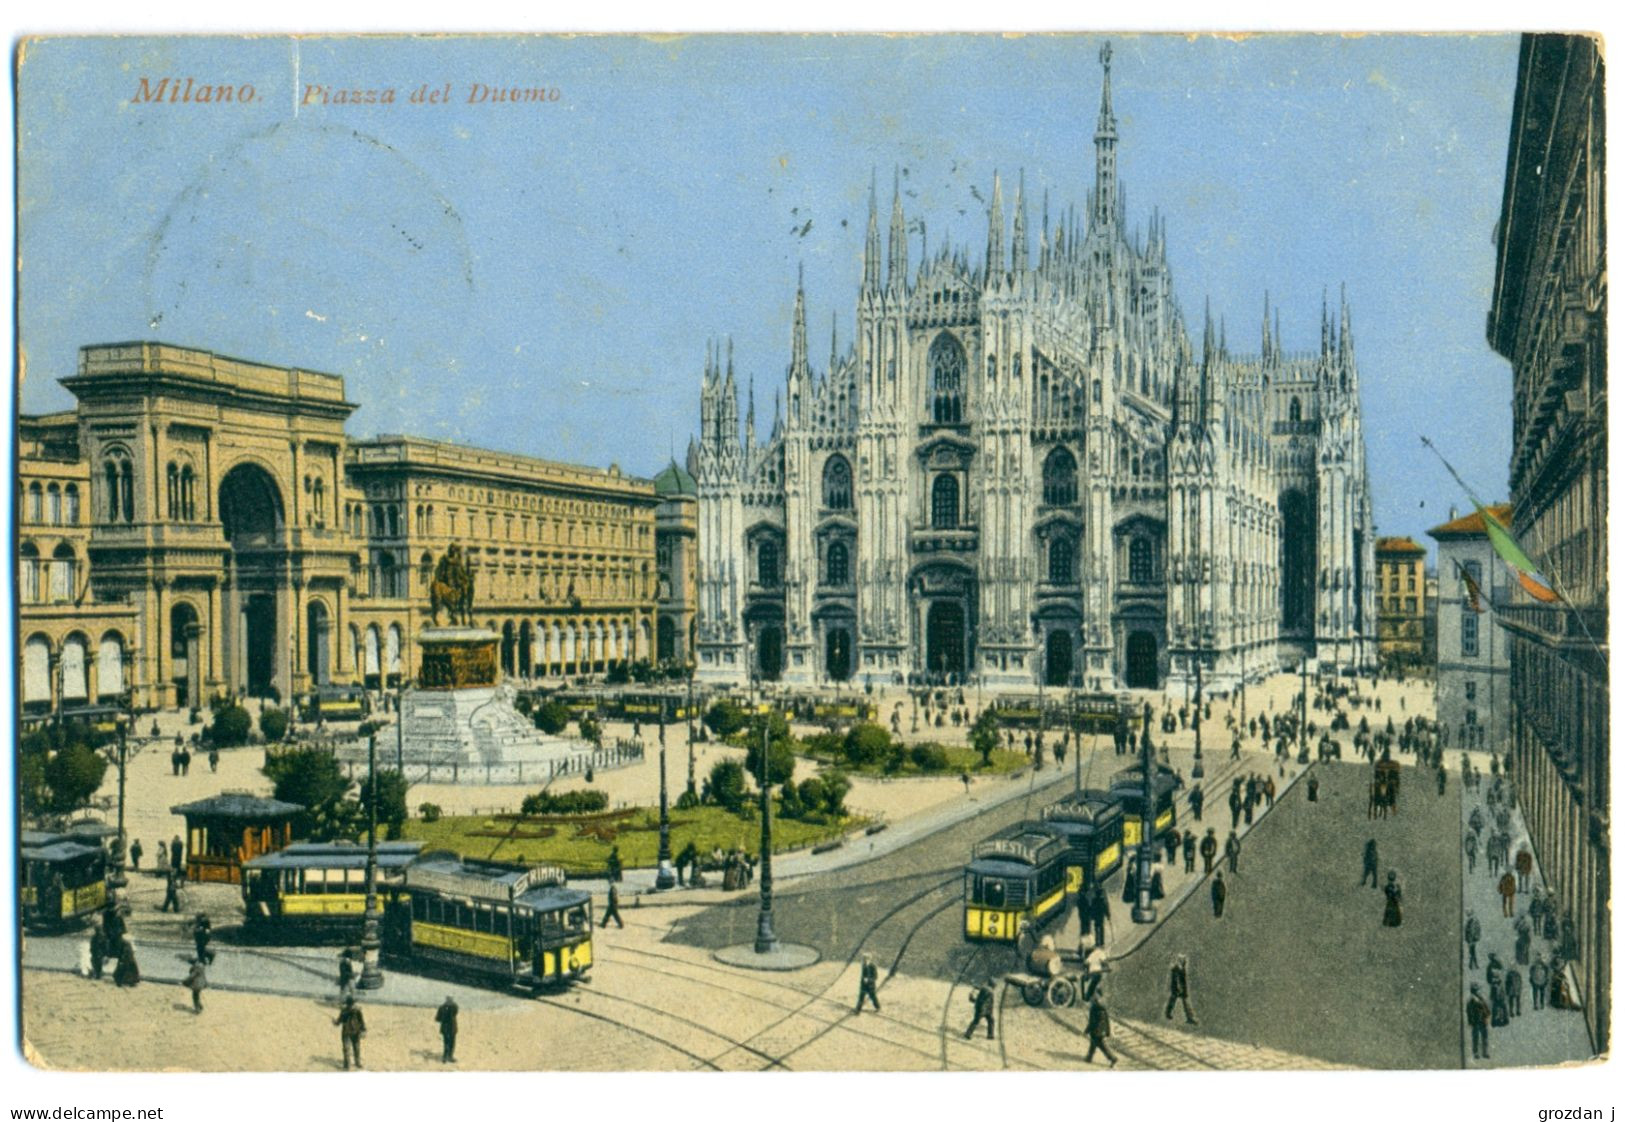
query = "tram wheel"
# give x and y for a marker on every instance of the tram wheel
(1033, 993)
(1061, 993)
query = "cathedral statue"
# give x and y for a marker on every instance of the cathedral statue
(452, 588)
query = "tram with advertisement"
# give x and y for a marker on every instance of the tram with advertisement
(1091, 824)
(523, 926)
(1016, 877)
(1128, 791)
(64, 879)
(317, 891)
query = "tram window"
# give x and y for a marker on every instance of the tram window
(574, 919)
(993, 893)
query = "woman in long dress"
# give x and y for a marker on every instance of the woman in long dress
(1390, 912)
(126, 973)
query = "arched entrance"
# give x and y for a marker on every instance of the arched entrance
(1140, 673)
(838, 654)
(252, 519)
(666, 639)
(183, 655)
(318, 643)
(527, 640)
(945, 637)
(259, 630)
(1057, 658)
(1297, 562)
(770, 653)
(507, 650)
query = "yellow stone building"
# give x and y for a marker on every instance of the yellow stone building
(201, 525)
(1401, 600)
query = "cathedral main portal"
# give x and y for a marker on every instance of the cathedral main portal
(945, 638)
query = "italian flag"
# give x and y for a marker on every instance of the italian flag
(1517, 560)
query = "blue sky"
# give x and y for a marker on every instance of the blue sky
(543, 278)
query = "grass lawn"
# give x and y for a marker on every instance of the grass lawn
(961, 758)
(581, 844)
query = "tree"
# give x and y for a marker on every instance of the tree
(929, 757)
(392, 787)
(273, 724)
(984, 736)
(312, 778)
(781, 757)
(74, 774)
(230, 727)
(725, 718)
(32, 786)
(836, 787)
(867, 744)
(590, 729)
(552, 718)
(726, 786)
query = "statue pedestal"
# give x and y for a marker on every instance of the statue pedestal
(456, 658)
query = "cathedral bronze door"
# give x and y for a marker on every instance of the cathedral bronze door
(838, 654)
(770, 654)
(259, 643)
(1141, 671)
(1057, 658)
(945, 638)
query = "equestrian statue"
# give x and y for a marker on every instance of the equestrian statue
(452, 589)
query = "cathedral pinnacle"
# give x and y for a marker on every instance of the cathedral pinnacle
(1018, 252)
(995, 231)
(897, 249)
(798, 332)
(871, 245)
(1105, 212)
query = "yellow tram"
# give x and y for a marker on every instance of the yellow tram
(318, 889)
(64, 879)
(1018, 875)
(1091, 824)
(1128, 790)
(498, 921)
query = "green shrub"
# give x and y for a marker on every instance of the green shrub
(725, 718)
(688, 800)
(836, 787)
(230, 727)
(590, 729)
(564, 802)
(790, 805)
(313, 779)
(725, 787)
(824, 745)
(552, 718)
(429, 812)
(929, 757)
(867, 744)
(273, 724)
(984, 735)
(73, 775)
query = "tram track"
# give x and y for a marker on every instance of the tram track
(662, 1041)
(707, 1030)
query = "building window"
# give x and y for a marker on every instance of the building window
(945, 503)
(53, 504)
(30, 573)
(1472, 717)
(1469, 635)
(1294, 411)
(1141, 570)
(36, 502)
(1470, 690)
(837, 564)
(838, 484)
(1060, 561)
(1410, 605)
(947, 364)
(767, 563)
(64, 574)
(1060, 478)
(71, 504)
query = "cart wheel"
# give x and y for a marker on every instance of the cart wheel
(1061, 993)
(1033, 993)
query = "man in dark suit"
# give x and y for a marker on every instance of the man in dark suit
(1369, 867)
(1210, 850)
(352, 1027)
(1219, 892)
(1100, 1027)
(446, 1018)
(1179, 990)
(868, 981)
(982, 998)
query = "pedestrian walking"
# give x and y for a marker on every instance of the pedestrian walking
(177, 854)
(196, 981)
(1514, 988)
(1472, 931)
(1369, 867)
(1495, 979)
(1189, 846)
(1170, 845)
(446, 1018)
(1100, 1028)
(127, 973)
(172, 888)
(1099, 912)
(99, 950)
(612, 910)
(1314, 788)
(1218, 892)
(1520, 944)
(1235, 807)
(347, 972)
(613, 865)
(868, 981)
(1179, 989)
(1232, 852)
(352, 1027)
(1269, 791)
(1539, 979)
(982, 1001)
(202, 932)
(1525, 864)
(1196, 798)
(1478, 1020)
(1507, 886)
(1094, 970)
(214, 759)
(1391, 915)
(135, 854)
(1469, 846)
(1210, 851)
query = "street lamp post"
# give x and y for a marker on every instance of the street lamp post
(371, 976)
(665, 875)
(1144, 910)
(766, 941)
(1197, 770)
(1303, 711)
(118, 883)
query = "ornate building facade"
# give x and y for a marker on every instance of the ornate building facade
(1401, 591)
(204, 525)
(1025, 471)
(1548, 318)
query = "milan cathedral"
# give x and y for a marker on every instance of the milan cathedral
(1027, 474)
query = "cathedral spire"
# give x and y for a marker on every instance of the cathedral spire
(1105, 194)
(798, 333)
(1325, 327)
(871, 245)
(1345, 339)
(1018, 251)
(834, 355)
(750, 414)
(995, 231)
(1267, 352)
(897, 255)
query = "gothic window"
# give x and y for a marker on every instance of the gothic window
(71, 504)
(945, 503)
(992, 368)
(1094, 392)
(1060, 561)
(63, 574)
(53, 504)
(1141, 567)
(320, 492)
(767, 563)
(836, 564)
(838, 484)
(1295, 411)
(1015, 368)
(30, 573)
(1060, 478)
(36, 503)
(189, 493)
(172, 477)
(947, 364)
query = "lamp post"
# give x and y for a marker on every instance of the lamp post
(665, 875)
(766, 941)
(691, 788)
(1197, 771)
(118, 883)
(371, 976)
(1144, 910)
(1303, 711)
